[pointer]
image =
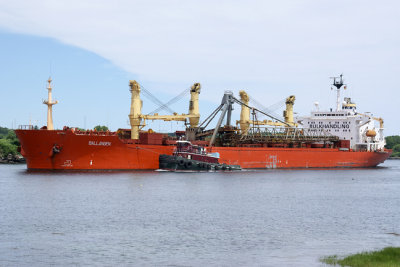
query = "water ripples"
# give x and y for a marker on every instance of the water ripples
(251, 218)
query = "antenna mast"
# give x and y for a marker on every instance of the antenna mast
(338, 83)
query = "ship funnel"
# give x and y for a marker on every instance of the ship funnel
(49, 102)
(136, 109)
(194, 105)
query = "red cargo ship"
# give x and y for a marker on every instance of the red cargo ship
(333, 139)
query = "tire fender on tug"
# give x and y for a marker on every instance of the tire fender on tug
(188, 164)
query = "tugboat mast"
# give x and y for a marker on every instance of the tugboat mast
(49, 102)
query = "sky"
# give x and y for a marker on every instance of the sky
(271, 49)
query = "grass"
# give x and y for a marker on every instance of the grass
(387, 257)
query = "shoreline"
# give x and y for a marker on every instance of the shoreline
(11, 162)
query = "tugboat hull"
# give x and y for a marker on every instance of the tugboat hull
(173, 163)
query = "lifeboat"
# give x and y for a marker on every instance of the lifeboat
(370, 133)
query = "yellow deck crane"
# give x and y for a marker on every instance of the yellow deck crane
(372, 133)
(380, 120)
(245, 121)
(138, 120)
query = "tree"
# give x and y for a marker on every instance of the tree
(3, 132)
(7, 148)
(8, 142)
(396, 151)
(12, 137)
(100, 128)
(396, 148)
(391, 141)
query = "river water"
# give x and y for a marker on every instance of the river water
(248, 218)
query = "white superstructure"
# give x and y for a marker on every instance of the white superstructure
(345, 122)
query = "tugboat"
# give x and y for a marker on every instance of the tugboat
(191, 157)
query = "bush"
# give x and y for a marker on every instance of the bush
(387, 257)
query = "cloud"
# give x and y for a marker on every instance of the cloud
(278, 45)
(239, 40)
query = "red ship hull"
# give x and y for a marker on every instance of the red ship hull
(109, 152)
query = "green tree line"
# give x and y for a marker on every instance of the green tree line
(393, 142)
(101, 128)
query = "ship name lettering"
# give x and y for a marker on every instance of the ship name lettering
(329, 126)
(101, 143)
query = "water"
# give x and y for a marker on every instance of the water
(249, 218)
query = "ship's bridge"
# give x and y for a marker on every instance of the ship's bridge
(347, 125)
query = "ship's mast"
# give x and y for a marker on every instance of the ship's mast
(338, 83)
(49, 102)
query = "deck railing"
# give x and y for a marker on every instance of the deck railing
(288, 134)
(27, 127)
